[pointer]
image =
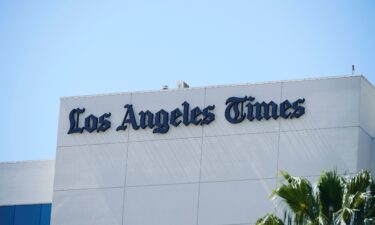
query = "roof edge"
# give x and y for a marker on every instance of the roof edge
(28, 161)
(223, 85)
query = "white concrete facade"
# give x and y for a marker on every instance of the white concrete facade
(217, 174)
(26, 182)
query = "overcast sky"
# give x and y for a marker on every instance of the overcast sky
(50, 49)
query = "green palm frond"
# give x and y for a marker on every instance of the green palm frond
(357, 198)
(369, 208)
(298, 195)
(343, 216)
(330, 187)
(369, 221)
(335, 200)
(359, 183)
(269, 219)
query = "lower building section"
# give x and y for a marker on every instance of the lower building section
(36, 214)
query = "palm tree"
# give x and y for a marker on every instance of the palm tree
(334, 200)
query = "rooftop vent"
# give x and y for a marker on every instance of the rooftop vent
(182, 84)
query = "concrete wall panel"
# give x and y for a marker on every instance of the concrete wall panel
(28, 182)
(164, 162)
(308, 152)
(91, 166)
(164, 204)
(236, 157)
(328, 102)
(236, 202)
(88, 207)
(367, 110)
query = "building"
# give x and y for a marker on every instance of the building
(26, 192)
(193, 156)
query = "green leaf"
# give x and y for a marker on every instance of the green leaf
(298, 195)
(359, 183)
(269, 219)
(331, 187)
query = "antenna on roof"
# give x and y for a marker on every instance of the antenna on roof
(182, 84)
(353, 69)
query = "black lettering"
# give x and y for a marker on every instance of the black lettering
(129, 113)
(149, 116)
(262, 110)
(175, 114)
(235, 105)
(284, 106)
(74, 121)
(258, 111)
(185, 119)
(104, 124)
(208, 116)
(161, 122)
(194, 115)
(250, 109)
(91, 123)
(298, 109)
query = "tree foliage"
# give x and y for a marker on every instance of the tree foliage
(334, 200)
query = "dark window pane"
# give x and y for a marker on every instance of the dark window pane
(27, 215)
(6, 215)
(45, 217)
